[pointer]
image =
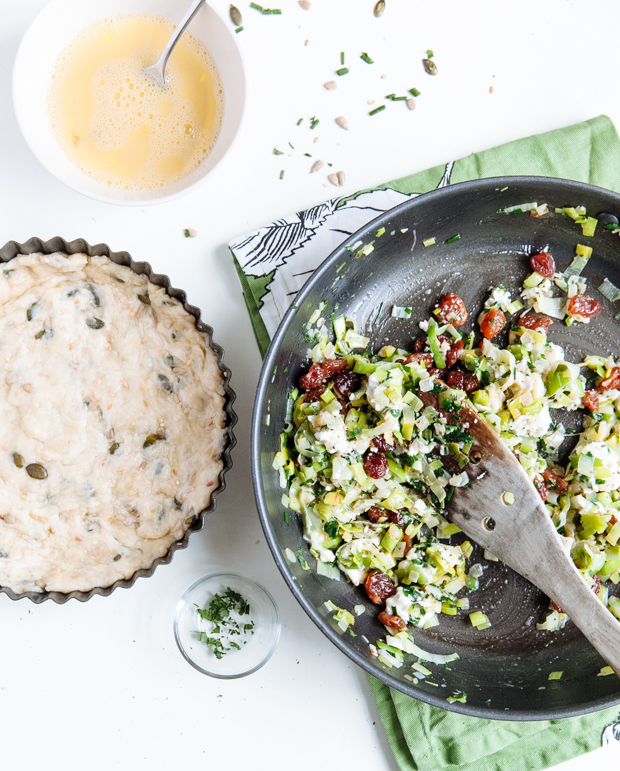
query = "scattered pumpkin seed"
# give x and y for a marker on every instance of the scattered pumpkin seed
(169, 360)
(144, 298)
(333, 178)
(39, 334)
(151, 439)
(235, 16)
(178, 504)
(190, 520)
(165, 384)
(411, 103)
(330, 85)
(379, 8)
(430, 66)
(32, 311)
(343, 123)
(94, 323)
(36, 471)
(117, 557)
(18, 460)
(113, 448)
(341, 178)
(316, 166)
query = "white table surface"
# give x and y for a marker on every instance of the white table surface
(102, 685)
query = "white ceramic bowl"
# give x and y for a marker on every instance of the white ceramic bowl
(61, 21)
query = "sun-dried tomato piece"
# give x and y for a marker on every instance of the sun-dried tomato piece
(543, 263)
(375, 514)
(425, 359)
(583, 305)
(452, 310)
(346, 382)
(315, 394)
(591, 400)
(379, 587)
(375, 464)
(555, 482)
(534, 322)
(556, 607)
(472, 383)
(394, 622)
(452, 356)
(493, 323)
(436, 373)
(611, 381)
(456, 379)
(319, 373)
(541, 486)
(396, 518)
(382, 445)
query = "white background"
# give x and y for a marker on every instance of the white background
(102, 685)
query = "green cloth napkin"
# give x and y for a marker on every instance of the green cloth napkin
(274, 262)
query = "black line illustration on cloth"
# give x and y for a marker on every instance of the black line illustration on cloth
(296, 245)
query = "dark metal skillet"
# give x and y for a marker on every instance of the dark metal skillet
(504, 669)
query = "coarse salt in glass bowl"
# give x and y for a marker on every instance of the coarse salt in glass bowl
(256, 645)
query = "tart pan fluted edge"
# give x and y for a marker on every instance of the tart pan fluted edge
(13, 249)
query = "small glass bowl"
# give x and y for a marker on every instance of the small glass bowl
(255, 649)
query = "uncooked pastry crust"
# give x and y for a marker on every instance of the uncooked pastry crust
(107, 384)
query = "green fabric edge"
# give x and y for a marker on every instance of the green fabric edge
(519, 746)
(253, 304)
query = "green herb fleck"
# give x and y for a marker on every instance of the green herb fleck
(314, 122)
(342, 71)
(342, 57)
(429, 54)
(286, 517)
(300, 121)
(365, 58)
(223, 612)
(275, 152)
(376, 110)
(414, 92)
(282, 174)
(239, 29)
(186, 233)
(452, 239)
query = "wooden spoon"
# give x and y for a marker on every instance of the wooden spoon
(522, 534)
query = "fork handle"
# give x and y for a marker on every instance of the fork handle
(181, 27)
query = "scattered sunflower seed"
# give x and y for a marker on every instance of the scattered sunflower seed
(379, 8)
(305, 4)
(430, 66)
(330, 85)
(411, 103)
(343, 123)
(36, 471)
(235, 16)
(383, 77)
(333, 178)
(316, 166)
(341, 178)
(190, 233)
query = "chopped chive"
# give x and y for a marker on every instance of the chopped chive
(258, 7)
(390, 96)
(239, 29)
(376, 110)
(342, 57)
(399, 98)
(286, 517)
(314, 122)
(343, 71)
(307, 155)
(429, 53)
(291, 146)
(282, 174)
(617, 315)
(457, 237)
(276, 12)
(341, 267)
(186, 233)
(277, 152)
(414, 91)
(365, 58)
(300, 121)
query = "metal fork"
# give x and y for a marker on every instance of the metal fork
(158, 70)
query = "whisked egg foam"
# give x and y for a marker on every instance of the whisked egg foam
(117, 124)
